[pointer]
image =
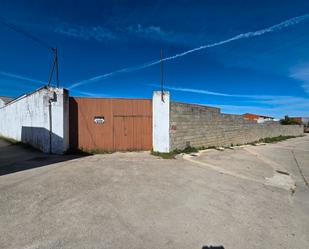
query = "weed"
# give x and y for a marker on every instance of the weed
(171, 155)
(164, 155)
(186, 150)
(275, 139)
(95, 151)
(211, 147)
(86, 151)
(189, 149)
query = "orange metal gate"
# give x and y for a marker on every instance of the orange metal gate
(110, 124)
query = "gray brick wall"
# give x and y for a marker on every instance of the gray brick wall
(198, 126)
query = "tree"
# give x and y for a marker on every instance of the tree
(289, 121)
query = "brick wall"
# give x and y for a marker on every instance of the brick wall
(199, 126)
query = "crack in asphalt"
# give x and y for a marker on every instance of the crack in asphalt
(300, 170)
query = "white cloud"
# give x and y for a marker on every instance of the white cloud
(100, 33)
(148, 30)
(301, 73)
(276, 111)
(97, 33)
(152, 32)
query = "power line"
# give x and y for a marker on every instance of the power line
(54, 65)
(8, 24)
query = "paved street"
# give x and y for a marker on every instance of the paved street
(246, 197)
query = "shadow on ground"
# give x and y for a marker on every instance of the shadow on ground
(19, 157)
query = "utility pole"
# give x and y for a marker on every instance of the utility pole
(55, 64)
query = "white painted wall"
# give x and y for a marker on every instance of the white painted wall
(160, 121)
(27, 119)
(263, 120)
(1, 103)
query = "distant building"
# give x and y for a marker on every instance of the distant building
(4, 100)
(305, 120)
(258, 118)
(301, 120)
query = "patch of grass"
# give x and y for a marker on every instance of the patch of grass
(275, 139)
(186, 150)
(171, 155)
(211, 147)
(189, 149)
(72, 151)
(86, 151)
(94, 151)
(163, 155)
(206, 148)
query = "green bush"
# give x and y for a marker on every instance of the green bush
(275, 139)
(289, 121)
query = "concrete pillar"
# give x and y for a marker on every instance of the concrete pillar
(160, 121)
(59, 120)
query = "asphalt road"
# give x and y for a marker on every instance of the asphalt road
(248, 197)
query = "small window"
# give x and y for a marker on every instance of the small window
(99, 119)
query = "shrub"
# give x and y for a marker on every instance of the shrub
(289, 121)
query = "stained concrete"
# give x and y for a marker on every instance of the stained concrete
(135, 200)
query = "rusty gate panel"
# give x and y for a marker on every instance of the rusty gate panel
(142, 132)
(91, 135)
(123, 133)
(132, 133)
(111, 124)
(132, 107)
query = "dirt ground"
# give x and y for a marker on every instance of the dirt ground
(245, 197)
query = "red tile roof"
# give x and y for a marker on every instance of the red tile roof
(254, 116)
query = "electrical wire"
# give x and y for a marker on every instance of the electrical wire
(8, 24)
(15, 28)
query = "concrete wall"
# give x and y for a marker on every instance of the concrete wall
(160, 121)
(2, 103)
(40, 119)
(199, 126)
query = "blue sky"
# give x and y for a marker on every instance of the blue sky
(266, 72)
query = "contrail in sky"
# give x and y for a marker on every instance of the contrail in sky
(277, 27)
(25, 78)
(20, 77)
